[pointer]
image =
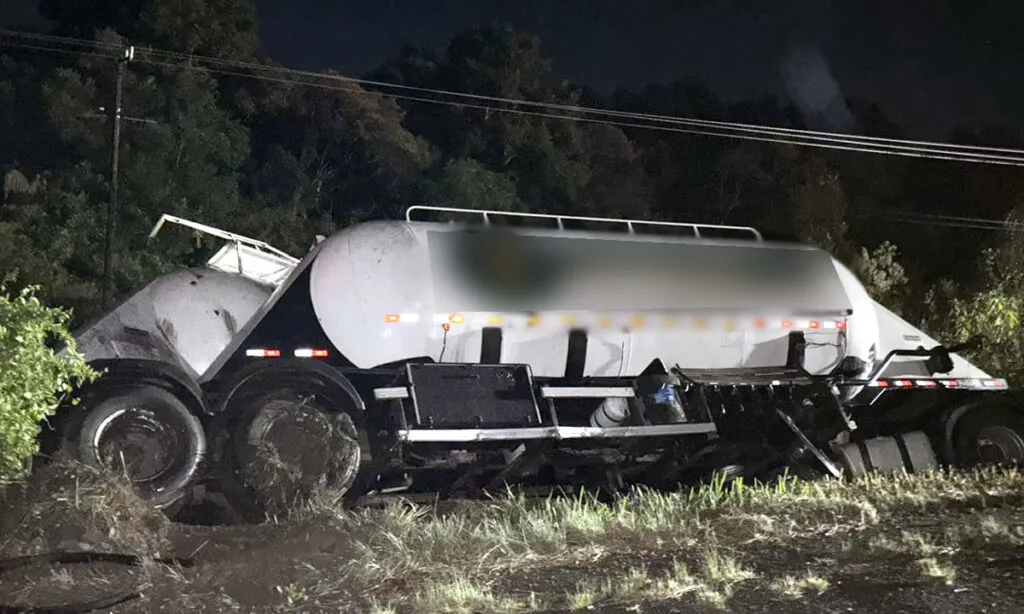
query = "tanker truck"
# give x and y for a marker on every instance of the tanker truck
(475, 350)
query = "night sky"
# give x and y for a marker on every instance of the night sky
(932, 65)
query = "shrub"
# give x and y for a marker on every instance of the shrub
(35, 378)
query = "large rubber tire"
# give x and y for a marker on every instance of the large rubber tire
(989, 435)
(148, 434)
(289, 448)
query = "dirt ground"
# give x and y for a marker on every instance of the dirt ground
(934, 547)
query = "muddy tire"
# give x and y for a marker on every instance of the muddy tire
(289, 448)
(989, 435)
(146, 433)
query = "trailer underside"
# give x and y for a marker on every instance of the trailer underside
(467, 430)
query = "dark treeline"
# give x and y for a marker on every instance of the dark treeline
(285, 161)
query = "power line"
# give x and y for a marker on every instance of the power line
(908, 148)
(905, 217)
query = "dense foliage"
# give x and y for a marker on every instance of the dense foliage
(283, 159)
(33, 378)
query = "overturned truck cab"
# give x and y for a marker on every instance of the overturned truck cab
(458, 356)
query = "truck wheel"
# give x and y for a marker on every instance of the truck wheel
(292, 448)
(148, 434)
(989, 435)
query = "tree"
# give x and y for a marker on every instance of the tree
(340, 153)
(185, 162)
(819, 206)
(617, 185)
(34, 380)
(546, 157)
(467, 184)
(84, 18)
(215, 28)
(45, 232)
(883, 275)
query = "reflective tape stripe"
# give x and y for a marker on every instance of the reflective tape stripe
(625, 321)
(904, 383)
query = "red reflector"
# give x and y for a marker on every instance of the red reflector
(927, 383)
(951, 383)
(787, 324)
(840, 325)
(902, 383)
(319, 353)
(882, 383)
(814, 324)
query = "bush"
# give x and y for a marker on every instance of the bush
(34, 378)
(995, 314)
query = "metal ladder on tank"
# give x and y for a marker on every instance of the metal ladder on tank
(630, 226)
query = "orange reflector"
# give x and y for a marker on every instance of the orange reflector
(759, 323)
(494, 320)
(533, 320)
(700, 323)
(456, 318)
(604, 322)
(787, 324)
(391, 318)
(637, 321)
(814, 324)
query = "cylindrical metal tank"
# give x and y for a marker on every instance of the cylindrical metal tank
(392, 290)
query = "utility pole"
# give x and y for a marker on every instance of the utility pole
(122, 65)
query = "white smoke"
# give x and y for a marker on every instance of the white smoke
(810, 85)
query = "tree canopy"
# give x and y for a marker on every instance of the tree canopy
(237, 143)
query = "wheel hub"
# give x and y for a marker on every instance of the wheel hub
(137, 443)
(298, 438)
(1000, 445)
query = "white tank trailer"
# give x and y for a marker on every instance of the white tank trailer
(459, 356)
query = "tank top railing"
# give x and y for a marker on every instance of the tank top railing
(565, 222)
(241, 255)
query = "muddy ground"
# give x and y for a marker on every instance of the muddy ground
(932, 547)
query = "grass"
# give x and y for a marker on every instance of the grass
(932, 567)
(797, 587)
(463, 596)
(514, 534)
(706, 546)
